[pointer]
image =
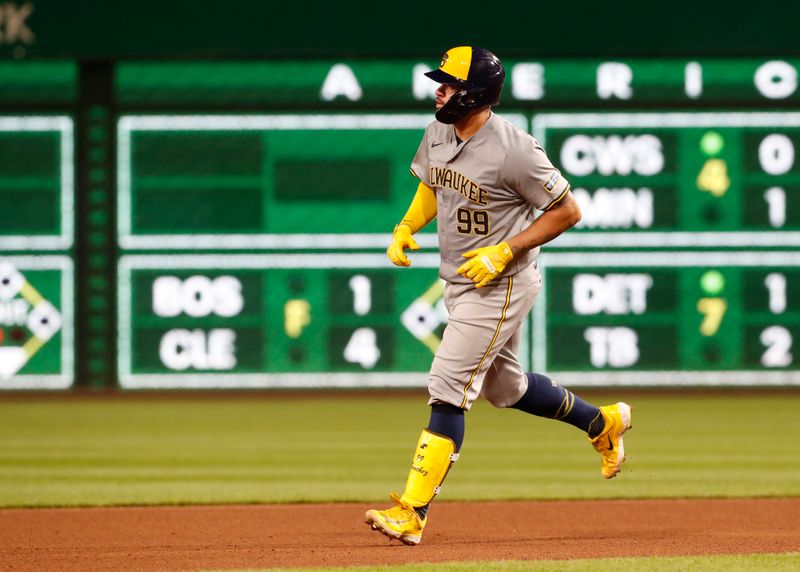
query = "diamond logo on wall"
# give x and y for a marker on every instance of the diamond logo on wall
(27, 320)
(426, 317)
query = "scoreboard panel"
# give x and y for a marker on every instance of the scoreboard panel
(272, 320)
(245, 249)
(37, 284)
(662, 180)
(37, 182)
(675, 318)
(311, 320)
(266, 181)
(646, 182)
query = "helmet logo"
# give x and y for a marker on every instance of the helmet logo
(445, 57)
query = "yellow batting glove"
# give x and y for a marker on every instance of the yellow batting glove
(401, 239)
(486, 263)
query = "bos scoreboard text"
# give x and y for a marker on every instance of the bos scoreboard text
(223, 224)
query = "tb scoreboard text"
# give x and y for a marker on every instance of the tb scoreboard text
(249, 246)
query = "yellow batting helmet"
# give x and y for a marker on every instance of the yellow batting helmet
(477, 73)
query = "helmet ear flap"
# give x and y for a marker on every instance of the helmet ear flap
(452, 111)
(461, 103)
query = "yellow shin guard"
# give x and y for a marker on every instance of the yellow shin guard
(433, 458)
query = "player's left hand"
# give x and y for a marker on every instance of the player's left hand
(486, 263)
(401, 239)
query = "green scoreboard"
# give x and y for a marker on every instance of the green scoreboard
(36, 270)
(707, 206)
(671, 318)
(276, 320)
(683, 270)
(680, 179)
(229, 222)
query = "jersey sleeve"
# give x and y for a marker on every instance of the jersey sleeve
(530, 173)
(419, 166)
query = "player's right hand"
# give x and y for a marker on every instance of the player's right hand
(401, 239)
(486, 263)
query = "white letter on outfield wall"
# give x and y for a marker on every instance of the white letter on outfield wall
(341, 81)
(693, 80)
(527, 81)
(614, 80)
(776, 80)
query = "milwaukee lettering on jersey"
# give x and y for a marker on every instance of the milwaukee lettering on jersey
(449, 179)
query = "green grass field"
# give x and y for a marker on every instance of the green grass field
(758, 562)
(254, 448)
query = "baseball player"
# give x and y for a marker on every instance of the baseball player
(483, 179)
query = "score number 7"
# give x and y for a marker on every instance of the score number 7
(713, 310)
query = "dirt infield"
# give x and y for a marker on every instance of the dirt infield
(264, 536)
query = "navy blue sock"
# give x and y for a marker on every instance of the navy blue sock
(446, 420)
(547, 399)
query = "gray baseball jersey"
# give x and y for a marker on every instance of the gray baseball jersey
(486, 188)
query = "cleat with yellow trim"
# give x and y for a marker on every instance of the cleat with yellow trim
(433, 457)
(609, 442)
(400, 522)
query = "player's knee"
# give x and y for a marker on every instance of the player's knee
(494, 401)
(501, 399)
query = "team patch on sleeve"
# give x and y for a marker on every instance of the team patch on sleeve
(551, 182)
